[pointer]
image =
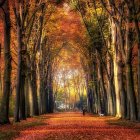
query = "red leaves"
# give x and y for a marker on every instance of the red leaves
(73, 126)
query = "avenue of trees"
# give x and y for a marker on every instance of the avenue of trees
(25, 36)
(109, 56)
(113, 63)
(69, 81)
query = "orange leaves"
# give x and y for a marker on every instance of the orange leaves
(74, 126)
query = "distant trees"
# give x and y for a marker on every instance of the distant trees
(69, 81)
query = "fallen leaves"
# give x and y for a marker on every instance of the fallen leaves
(74, 126)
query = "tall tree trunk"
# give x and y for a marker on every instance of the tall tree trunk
(103, 91)
(139, 83)
(98, 95)
(34, 89)
(0, 73)
(51, 100)
(46, 86)
(22, 98)
(95, 89)
(42, 90)
(129, 74)
(130, 91)
(27, 97)
(90, 91)
(4, 116)
(135, 15)
(120, 76)
(90, 100)
(110, 87)
(123, 96)
(51, 103)
(22, 63)
(19, 70)
(116, 71)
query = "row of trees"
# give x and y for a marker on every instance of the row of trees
(26, 50)
(110, 55)
(111, 58)
(32, 39)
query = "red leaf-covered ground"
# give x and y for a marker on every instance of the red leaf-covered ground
(74, 126)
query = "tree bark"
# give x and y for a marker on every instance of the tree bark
(120, 76)
(103, 91)
(139, 83)
(19, 69)
(136, 22)
(51, 103)
(34, 89)
(27, 97)
(130, 92)
(22, 98)
(129, 74)
(0, 73)
(95, 89)
(4, 116)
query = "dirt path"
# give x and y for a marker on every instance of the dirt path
(74, 126)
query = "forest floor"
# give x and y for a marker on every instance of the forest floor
(71, 126)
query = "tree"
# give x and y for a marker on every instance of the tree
(21, 12)
(4, 116)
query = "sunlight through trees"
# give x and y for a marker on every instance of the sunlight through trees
(60, 55)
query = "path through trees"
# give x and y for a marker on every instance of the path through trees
(63, 55)
(73, 126)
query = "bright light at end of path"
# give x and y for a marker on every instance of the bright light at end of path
(66, 8)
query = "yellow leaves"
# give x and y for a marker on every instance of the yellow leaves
(73, 4)
(53, 17)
